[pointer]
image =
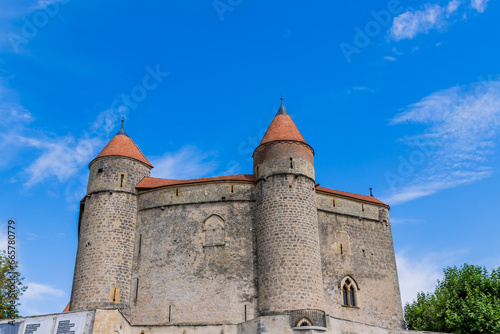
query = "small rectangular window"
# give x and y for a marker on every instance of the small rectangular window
(99, 170)
(122, 177)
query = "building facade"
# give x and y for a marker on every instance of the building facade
(232, 252)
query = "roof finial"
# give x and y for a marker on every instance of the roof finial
(282, 110)
(122, 132)
(371, 192)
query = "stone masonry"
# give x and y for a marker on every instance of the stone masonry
(233, 254)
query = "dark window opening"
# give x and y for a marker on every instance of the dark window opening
(99, 170)
(136, 289)
(291, 163)
(122, 177)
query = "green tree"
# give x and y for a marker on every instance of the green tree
(467, 300)
(11, 287)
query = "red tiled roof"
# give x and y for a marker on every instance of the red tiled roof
(282, 128)
(151, 182)
(124, 146)
(66, 309)
(350, 195)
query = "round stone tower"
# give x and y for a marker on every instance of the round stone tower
(107, 226)
(288, 249)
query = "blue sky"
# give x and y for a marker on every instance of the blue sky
(403, 97)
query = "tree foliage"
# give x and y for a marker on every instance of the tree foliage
(467, 300)
(11, 287)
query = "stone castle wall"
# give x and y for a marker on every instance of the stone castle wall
(103, 266)
(182, 278)
(367, 257)
(194, 257)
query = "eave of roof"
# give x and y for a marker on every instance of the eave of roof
(363, 198)
(123, 145)
(151, 182)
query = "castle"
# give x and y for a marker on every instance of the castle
(271, 252)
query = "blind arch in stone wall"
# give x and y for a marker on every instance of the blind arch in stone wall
(214, 233)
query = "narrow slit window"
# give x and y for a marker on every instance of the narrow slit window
(334, 203)
(137, 289)
(232, 189)
(177, 192)
(140, 243)
(291, 163)
(122, 177)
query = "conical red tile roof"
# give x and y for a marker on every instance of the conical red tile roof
(282, 128)
(123, 145)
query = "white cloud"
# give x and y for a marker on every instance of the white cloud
(462, 124)
(430, 17)
(60, 158)
(479, 5)
(421, 274)
(453, 6)
(411, 23)
(389, 58)
(42, 299)
(189, 162)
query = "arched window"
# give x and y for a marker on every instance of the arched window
(213, 231)
(349, 290)
(304, 322)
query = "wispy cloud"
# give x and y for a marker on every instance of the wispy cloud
(461, 135)
(479, 5)
(189, 162)
(431, 17)
(41, 299)
(421, 274)
(397, 220)
(389, 58)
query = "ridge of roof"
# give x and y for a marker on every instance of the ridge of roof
(123, 145)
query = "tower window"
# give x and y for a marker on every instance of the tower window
(176, 192)
(99, 170)
(122, 177)
(334, 203)
(291, 163)
(349, 293)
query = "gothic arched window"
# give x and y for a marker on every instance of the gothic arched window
(349, 290)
